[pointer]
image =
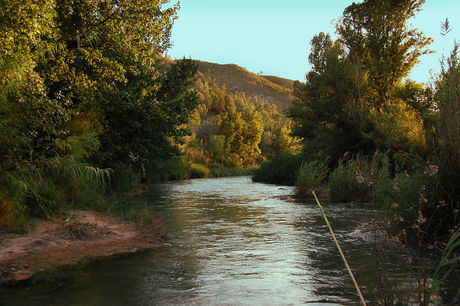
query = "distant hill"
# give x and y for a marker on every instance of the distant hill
(271, 89)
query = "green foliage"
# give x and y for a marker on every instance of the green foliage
(428, 190)
(324, 113)
(310, 176)
(179, 169)
(230, 129)
(142, 129)
(198, 171)
(378, 37)
(346, 183)
(353, 99)
(124, 178)
(398, 126)
(354, 179)
(446, 264)
(43, 188)
(242, 136)
(84, 87)
(173, 169)
(216, 148)
(279, 169)
(447, 121)
(426, 194)
(223, 171)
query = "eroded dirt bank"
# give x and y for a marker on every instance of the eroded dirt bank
(84, 236)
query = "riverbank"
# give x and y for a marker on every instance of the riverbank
(81, 237)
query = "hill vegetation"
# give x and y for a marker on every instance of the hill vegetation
(234, 129)
(271, 89)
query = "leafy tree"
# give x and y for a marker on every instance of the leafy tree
(322, 111)
(447, 88)
(84, 81)
(144, 126)
(235, 130)
(378, 36)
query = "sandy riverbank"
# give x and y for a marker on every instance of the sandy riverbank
(83, 236)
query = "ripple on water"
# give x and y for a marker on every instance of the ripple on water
(234, 242)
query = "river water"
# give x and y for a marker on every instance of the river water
(233, 242)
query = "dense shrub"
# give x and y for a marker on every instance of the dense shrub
(345, 184)
(280, 169)
(173, 169)
(422, 197)
(198, 171)
(223, 171)
(354, 179)
(310, 175)
(124, 178)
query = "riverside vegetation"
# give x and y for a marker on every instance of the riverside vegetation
(91, 106)
(87, 102)
(371, 134)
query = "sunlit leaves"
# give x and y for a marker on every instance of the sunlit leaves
(378, 34)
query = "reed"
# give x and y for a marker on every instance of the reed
(446, 264)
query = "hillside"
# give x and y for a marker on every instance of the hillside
(271, 89)
(280, 81)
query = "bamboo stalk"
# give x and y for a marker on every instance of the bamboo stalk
(340, 250)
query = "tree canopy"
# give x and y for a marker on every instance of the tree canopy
(378, 36)
(84, 87)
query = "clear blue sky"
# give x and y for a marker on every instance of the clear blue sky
(273, 36)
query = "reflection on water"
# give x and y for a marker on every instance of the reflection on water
(234, 242)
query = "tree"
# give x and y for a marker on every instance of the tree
(321, 111)
(447, 89)
(84, 84)
(143, 125)
(377, 35)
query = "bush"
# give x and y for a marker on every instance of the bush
(352, 180)
(280, 169)
(310, 175)
(345, 184)
(420, 197)
(47, 188)
(124, 178)
(223, 171)
(173, 169)
(198, 171)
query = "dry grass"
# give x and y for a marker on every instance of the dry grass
(268, 88)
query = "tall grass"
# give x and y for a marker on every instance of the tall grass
(448, 261)
(354, 179)
(49, 187)
(310, 176)
(198, 171)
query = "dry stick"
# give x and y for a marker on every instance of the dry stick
(340, 250)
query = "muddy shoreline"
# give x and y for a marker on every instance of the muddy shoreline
(82, 237)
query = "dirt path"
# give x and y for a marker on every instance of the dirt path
(86, 235)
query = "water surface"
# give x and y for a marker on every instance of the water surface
(233, 242)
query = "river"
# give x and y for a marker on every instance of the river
(233, 242)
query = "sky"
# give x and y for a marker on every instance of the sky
(273, 36)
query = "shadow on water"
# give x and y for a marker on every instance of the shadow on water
(233, 242)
